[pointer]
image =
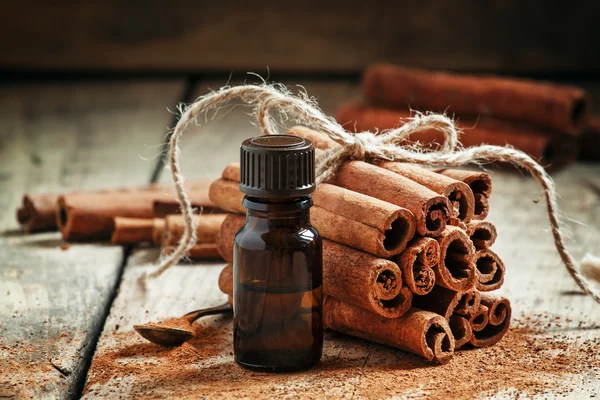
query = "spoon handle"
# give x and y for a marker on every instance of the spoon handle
(221, 309)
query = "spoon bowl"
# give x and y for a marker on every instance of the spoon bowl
(166, 335)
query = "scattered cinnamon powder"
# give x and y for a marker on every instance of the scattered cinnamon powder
(539, 355)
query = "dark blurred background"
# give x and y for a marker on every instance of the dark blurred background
(547, 39)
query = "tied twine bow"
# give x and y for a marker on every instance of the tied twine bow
(387, 145)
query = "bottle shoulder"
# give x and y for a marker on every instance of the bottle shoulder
(297, 237)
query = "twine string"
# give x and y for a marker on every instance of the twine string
(368, 146)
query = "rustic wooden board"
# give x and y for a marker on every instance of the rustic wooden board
(54, 138)
(300, 36)
(536, 283)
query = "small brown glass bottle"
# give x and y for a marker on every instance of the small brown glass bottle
(278, 323)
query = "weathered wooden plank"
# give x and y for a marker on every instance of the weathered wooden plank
(60, 137)
(300, 36)
(536, 283)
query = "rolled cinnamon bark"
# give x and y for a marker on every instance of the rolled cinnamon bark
(417, 331)
(431, 210)
(479, 318)
(499, 314)
(132, 230)
(456, 269)
(207, 228)
(559, 107)
(163, 208)
(483, 234)
(225, 237)
(549, 147)
(226, 280)
(88, 216)
(202, 251)
(356, 277)
(416, 263)
(225, 193)
(158, 231)
(459, 193)
(320, 140)
(490, 270)
(481, 185)
(461, 330)
(590, 141)
(342, 215)
(361, 279)
(38, 212)
(446, 302)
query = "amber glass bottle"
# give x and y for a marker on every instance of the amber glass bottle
(278, 323)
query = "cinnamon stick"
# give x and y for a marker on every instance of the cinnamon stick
(207, 228)
(225, 237)
(431, 210)
(461, 330)
(590, 141)
(548, 147)
(361, 279)
(226, 194)
(459, 193)
(133, 230)
(446, 302)
(498, 321)
(482, 233)
(38, 212)
(88, 216)
(162, 208)
(490, 270)
(479, 319)
(481, 185)
(226, 280)
(158, 231)
(559, 107)
(416, 263)
(342, 215)
(417, 331)
(352, 275)
(456, 269)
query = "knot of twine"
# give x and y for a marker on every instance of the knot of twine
(387, 145)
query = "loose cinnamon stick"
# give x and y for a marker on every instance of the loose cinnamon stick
(490, 270)
(38, 212)
(482, 233)
(549, 147)
(499, 314)
(459, 193)
(416, 263)
(430, 210)
(446, 302)
(158, 231)
(133, 230)
(163, 208)
(207, 228)
(342, 215)
(456, 269)
(417, 331)
(361, 279)
(356, 277)
(590, 141)
(559, 107)
(89, 215)
(203, 251)
(481, 185)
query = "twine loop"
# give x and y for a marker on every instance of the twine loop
(387, 145)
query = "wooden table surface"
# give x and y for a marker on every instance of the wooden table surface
(66, 313)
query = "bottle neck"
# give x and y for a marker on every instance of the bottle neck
(280, 212)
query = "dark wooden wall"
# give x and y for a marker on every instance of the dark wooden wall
(307, 36)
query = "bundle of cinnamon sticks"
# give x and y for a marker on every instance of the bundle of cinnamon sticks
(548, 121)
(406, 254)
(125, 216)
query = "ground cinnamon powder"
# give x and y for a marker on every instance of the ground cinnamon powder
(540, 354)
